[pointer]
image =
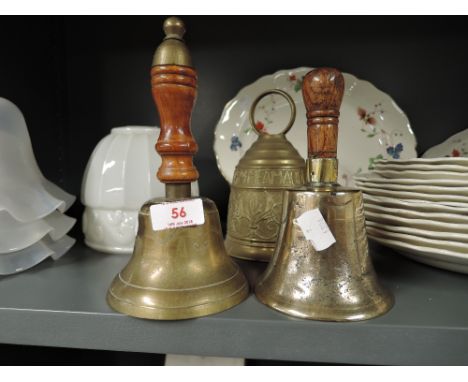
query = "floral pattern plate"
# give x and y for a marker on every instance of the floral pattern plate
(455, 146)
(372, 126)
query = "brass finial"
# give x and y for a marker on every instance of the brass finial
(172, 51)
(174, 28)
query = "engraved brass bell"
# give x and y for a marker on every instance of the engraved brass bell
(336, 282)
(182, 272)
(269, 167)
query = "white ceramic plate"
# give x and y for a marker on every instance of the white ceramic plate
(411, 214)
(449, 264)
(425, 189)
(422, 206)
(422, 233)
(443, 175)
(372, 126)
(394, 166)
(455, 146)
(456, 249)
(424, 224)
(376, 178)
(448, 200)
(443, 259)
(426, 161)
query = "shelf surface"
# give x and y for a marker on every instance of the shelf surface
(63, 304)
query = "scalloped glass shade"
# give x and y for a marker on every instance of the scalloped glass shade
(32, 224)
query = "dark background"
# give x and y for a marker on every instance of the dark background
(75, 78)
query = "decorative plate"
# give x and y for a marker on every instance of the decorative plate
(441, 175)
(416, 205)
(444, 259)
(398, 211)
(374, 177)
(424, 233)
(372, 126)
(423, 188)
(425, 161)
(389, 221)
(442, 245)
(425, 164)
(450, 200)
(455, 146)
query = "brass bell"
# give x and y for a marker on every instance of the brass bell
(270, 166)
(179, 268)
(321, 267)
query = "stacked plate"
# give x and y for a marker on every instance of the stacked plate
(420, 208)
(32, 221)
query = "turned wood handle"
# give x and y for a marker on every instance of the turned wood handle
(174, 89)
(322, 90)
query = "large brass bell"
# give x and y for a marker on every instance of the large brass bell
(309, 275)
(181, 272)
(270, 166)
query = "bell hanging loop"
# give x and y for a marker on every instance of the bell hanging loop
(257, 100)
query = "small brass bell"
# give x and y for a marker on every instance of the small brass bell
(181, 272)
(321, 267)
(269, 167)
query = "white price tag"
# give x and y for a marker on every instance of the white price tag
(177, 214)
(316, 229)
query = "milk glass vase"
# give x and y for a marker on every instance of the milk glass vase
(119, 178)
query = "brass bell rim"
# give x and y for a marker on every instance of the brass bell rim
(291, 103)
(213, 301)
(178, 313)
(381, 307)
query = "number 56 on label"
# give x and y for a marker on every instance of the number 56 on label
(184, 213)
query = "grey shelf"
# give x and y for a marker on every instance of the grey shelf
(63, 304)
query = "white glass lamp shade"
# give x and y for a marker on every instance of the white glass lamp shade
(119, 178)
(26, 258)
(15, 235)
(32, 224)
(24, 192)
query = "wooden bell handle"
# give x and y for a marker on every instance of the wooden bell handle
(174, 89)
(322, 90)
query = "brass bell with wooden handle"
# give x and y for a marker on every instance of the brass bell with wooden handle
(269, 166)
(321, 268)
(179, 268)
